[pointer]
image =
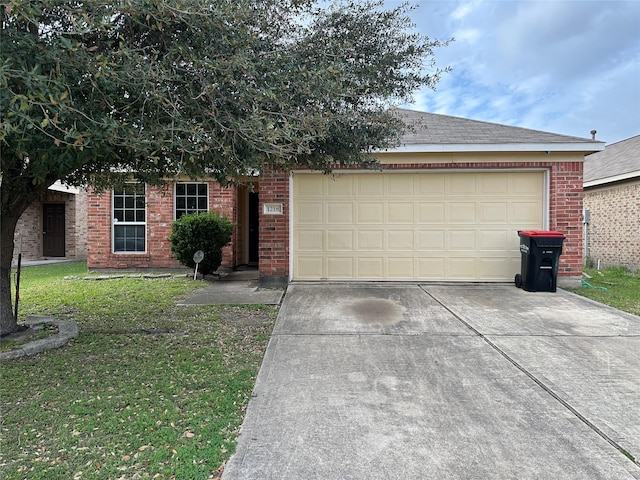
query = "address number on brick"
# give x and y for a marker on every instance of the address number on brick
(272, 209)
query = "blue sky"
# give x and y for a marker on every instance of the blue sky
(562, 66)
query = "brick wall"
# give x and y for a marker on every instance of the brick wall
(565, 214)
(160, 216)
(565, 211)
(273, 263)
(613, 233)
(81, 225)
(29, 233)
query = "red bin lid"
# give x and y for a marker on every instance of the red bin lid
(540, 233)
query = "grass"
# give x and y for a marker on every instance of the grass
(147, 390)
(615, 286)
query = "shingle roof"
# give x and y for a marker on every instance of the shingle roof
(616, 162)
(436, 129)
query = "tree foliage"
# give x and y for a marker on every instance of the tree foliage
(94, 90)
(208, 231)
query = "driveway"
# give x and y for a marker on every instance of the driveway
(392, 381)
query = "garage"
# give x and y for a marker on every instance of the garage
(413, 225)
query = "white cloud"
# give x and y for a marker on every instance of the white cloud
(561, 66)
(463, 10)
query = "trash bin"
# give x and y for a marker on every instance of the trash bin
(540, 250)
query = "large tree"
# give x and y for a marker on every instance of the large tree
(92, 90)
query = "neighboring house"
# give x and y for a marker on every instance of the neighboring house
(612, 200)
(446, 206)
(54, 226)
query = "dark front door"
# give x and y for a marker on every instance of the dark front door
(53, 228)
(254, 215)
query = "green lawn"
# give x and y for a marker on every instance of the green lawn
(147, 390)
(617, 287)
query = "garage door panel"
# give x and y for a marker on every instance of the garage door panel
(432, 185)
(370, 185)
(400, 185)
(340, 240)
(400, 213)
(493, 240)
(430, 213)
(309, 213)
(370, 268)
(493, 212)
(340, 186)
(309, 267)
(521, 186)
(461, 184)
(493, 184)
(526, 215)
(310, 240)
(462, 240)
(431, 268)
(307, 185)
(462, 212)
(340, 268)
(417, 226)
(461, 268)
(340, 213)
(400, 240)
(400, 268)
(431, 240)
(370, 213)
(370, 240)
(491, 268)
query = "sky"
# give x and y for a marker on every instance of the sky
(561, 66)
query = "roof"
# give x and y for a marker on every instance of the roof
(443, 133)
(618, 161)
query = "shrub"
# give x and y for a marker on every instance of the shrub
(208, 232)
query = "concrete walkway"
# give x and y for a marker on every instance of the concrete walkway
(445, 382)
(235, 288)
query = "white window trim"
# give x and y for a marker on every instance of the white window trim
(175, 195)
(114, 223)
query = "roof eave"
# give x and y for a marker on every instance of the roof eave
(616, 178)
(586, 147)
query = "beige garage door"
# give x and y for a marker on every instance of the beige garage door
(413, 226)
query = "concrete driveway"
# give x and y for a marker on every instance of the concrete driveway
(390, 381)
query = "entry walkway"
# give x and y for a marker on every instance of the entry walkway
(430, 382)
(235, 288)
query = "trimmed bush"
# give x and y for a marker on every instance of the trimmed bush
(208, 232)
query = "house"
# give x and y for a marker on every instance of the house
(612, 200)
(54, 226)
(446, 206)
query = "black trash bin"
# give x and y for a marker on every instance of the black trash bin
(540, 250)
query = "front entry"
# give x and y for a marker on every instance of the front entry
(53, 230)
(254, 215)
(248, 219)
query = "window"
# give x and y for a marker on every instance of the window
(129, 218)
(191, 198)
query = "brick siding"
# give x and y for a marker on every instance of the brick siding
(565, 210)
(565, 215)
(273, 247)
(160, 216)
(613, 232)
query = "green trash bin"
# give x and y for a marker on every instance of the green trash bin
(540, 250)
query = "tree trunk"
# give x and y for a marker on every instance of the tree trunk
(8, 323)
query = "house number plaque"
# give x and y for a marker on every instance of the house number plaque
(272, 209)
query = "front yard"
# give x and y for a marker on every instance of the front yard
(147, 390)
